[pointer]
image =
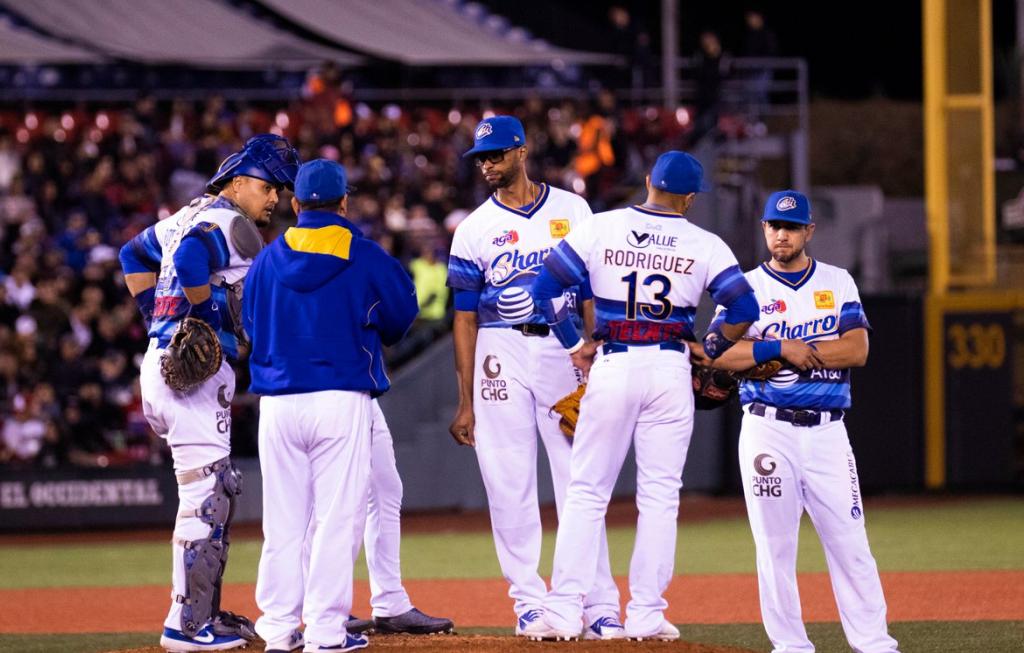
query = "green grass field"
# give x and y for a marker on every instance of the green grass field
(983, 534)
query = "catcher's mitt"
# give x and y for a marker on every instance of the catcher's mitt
(569, 408)
(712, 388)
(193, 355)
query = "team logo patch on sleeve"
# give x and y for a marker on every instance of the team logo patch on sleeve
(559, 228)
(824, 299)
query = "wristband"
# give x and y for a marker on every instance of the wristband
(766, 350)
(146, 300)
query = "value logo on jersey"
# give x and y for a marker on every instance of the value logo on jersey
(776, 306)
(642, 240)
(824, 299)
(493, 387)
(510, 237)
(558, 228)
(764, 485)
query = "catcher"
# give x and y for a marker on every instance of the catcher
(186, 274)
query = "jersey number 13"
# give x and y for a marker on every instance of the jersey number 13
(660, 310)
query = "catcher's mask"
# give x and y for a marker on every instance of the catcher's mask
(265, 156)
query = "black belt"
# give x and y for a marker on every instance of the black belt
(619, 347)
(531, 329)
(796, 417)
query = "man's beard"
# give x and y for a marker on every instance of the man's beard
(787, 257)
(504, 180)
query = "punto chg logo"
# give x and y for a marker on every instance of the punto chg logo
(492, 386)
(765, 484)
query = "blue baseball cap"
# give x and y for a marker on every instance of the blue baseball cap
(321, 180)
(788, 206)
(678, 173)
(497, 133)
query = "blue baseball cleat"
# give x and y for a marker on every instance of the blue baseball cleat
(204, 640)
(352, 643)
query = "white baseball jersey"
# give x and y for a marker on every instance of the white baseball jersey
(497, 255)
(647, 269)
(787, 469)
(821, 304)
(497, 252)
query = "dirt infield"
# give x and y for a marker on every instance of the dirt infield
(493, 644)
(696, 599)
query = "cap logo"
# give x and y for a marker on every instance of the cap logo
(483, 130)
(787, 203)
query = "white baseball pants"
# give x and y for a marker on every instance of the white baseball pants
(787, 469)
(640, 397)
(314, 455)
(383, 533)
(517, 379)
(197, 426)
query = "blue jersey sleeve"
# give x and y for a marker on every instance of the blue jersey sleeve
(566, 266)
(852, 316)
(732, 290)
(464, 274)
(548, 285)
(467, 300)
(142, 253)
(202, 250)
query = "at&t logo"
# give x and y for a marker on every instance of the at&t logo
(765, 485)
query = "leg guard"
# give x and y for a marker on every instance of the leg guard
(206, 558)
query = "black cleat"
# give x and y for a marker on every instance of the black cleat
(413, 622)
(355, 625)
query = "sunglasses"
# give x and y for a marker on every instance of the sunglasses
(492, 156)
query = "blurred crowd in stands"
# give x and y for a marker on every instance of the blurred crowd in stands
(77, 182)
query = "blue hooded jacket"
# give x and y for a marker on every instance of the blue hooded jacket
(319, 302)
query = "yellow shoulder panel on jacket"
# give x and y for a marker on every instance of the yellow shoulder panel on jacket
(332, 240)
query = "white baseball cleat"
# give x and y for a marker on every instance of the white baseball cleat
(667, 633)
(605, 628)
(526, 619)
(539, 630)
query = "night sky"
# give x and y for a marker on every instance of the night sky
(855, 50)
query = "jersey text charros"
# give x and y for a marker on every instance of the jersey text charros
(498, 251)
(823, 304)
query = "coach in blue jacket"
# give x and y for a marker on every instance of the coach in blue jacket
(319, 302)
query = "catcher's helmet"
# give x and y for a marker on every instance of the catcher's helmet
(265, 156)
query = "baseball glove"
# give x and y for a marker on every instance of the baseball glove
(712, 388)
(761, 372)
(193, 355)
(569, 408)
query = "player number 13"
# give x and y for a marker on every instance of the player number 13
(660, 311)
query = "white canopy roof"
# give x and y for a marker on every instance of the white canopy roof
(21, 46)
(200, 33)
(424, 32)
